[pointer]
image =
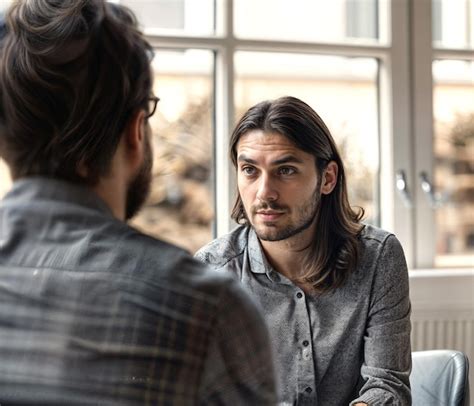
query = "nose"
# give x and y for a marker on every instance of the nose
(266, 189)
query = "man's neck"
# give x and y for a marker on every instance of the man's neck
(112, 193)
(287, 256)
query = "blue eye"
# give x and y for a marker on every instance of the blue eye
(248, 170)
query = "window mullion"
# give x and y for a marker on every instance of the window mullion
(224, 173)
(396, 140)
(422, 105)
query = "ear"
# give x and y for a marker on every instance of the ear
(329, 178)
(135, 131)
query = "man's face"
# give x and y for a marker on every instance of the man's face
(278, 184)
(140, 186)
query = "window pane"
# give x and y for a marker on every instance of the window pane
(180, 207)
(454, 162)
(309, 20)
(4, 5)
(189, 17)
(453, 23)
(5, 181)
(343, 91)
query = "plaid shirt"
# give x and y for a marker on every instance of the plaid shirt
(94, 312)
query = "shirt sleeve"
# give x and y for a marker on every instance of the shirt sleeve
(387, 352)
(239, 367)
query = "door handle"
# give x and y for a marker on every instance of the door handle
(435, 198)
(402, 188)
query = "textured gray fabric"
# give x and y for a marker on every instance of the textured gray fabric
(94, 312)
(350, 345)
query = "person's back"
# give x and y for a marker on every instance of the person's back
(91, 310)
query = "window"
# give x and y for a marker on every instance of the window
(340, 21)
(160, 14)
(184, 17)
(5, 181)
(362, 19)
(392, 79)
(453, 24)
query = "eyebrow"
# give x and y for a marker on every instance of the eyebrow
(279, 161)
(245, 158)
(287, 159)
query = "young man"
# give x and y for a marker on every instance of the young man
(334, 291)
(91, 310)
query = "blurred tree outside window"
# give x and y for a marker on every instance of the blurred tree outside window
(454, 161)
(180, 207)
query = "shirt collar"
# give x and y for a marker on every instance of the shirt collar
(259, 263)
(41, 188)
(257, 259)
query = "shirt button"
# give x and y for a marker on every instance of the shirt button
(305, 343)
(299, 295)
(308, 390)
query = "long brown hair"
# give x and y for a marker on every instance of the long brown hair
(72, 72)
(335, 248)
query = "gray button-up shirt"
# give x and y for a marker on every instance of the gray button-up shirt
(349, 345)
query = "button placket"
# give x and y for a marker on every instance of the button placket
(306, 373)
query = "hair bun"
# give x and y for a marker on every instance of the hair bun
(57, 30)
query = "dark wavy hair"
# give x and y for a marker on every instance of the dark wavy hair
(72, 72)
(335, 249)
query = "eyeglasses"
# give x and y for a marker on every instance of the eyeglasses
(152, 103)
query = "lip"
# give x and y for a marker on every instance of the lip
(269, 215)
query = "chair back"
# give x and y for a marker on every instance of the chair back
(440, 378)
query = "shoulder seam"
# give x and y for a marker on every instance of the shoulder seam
(381, 241)
(230, 259)
(380, 237)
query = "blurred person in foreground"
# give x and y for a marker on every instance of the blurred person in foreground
(91, 310)
(334, 290)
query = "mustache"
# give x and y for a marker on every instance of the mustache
(269, 206)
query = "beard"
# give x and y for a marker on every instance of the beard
(305, 216)
(139, 187)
